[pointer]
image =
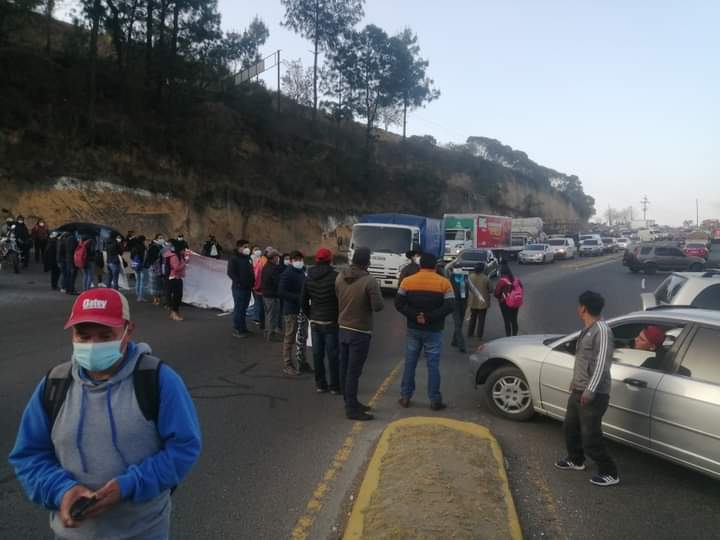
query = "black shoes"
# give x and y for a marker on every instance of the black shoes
(404, 402)
(437, 406)
(359, 415)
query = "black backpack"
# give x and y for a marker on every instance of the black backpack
(146, 379)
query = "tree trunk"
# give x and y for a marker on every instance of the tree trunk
(174, 44)
(49, 9)
(315, 61)
(405, 108)
(95, 17)
(149, 42)
(131, 23)
(117, 35)
(162, 57)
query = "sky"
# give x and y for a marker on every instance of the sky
(624, 94)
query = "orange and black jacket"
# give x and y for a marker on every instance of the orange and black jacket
(429, 293)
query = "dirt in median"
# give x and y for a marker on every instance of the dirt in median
(437, 483)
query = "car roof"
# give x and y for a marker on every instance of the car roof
(674, 314)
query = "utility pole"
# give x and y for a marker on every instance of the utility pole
(697, 213)
(644, 204)
(278, 80)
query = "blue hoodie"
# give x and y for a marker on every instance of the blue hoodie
(100, 435)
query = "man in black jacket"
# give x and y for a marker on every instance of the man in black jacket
(319, 302)
(51, 260)
(269, 283)
(291, 284)
(22, 235)
(240, 271)
(70, 271)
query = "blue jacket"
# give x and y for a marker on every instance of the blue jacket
(291, 284)
(91, 413)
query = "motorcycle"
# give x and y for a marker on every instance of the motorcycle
(11, 251)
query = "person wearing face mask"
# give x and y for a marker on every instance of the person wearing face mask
(153, 265)
(114, 425)
(459, 282)
(240, 271)
(181, 244)
(413, 267)
(114, 260)
(291, 284)
(7, 226)
(175, 260)
(70, 271)
(22, 234)
(39, 235)
(259, 261)
(270, 282)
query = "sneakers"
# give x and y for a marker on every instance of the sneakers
(605, 480)
(365, 408)
(289, 370)
(175, 316)
(335, 392)
(321, 390)
(567, 464)
(239, 334)
(437, 406)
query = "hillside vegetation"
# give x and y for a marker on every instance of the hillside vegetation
(214, 144)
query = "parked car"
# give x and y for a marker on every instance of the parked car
(591, 248)
(584, 237)
(700, 290)
(623, 243)
(651, 257)
(469, 258)
(609, 245)
(697, 249)
(563, 248)
(666, 403)
(536, 253)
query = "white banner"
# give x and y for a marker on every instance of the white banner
(206, 284)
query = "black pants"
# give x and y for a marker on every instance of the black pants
(510, 318)
(354, 348)
(54, 276)
(325, 342)
(583, 432)
(458, 319)
(69, 277)
(175, 293)
(40, 246)
(477, 323)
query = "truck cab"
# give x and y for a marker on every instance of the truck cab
(388, 245)
(456, 240)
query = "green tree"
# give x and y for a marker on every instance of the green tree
(13, 14)
(323, 22)
(297, 83)
(411, 86)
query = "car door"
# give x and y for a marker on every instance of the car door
(662, 258)
(556, 376)
(685, 416)
(677, 259)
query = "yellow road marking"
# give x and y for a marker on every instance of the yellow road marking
(314, 505)
(354, 529)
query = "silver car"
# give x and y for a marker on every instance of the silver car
(696, 289)
(591, 247)
(536, 253)
(665, 403)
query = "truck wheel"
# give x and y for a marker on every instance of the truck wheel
(650, 268)
(508, 395)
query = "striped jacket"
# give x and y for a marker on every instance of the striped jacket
(429, 293)
(593, 358)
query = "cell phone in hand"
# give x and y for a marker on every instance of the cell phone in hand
(81, 506)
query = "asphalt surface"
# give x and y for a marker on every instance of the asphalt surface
(270, 441)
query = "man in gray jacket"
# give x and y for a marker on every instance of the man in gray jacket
(358, 296)
(590, 394)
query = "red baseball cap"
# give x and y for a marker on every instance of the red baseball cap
(655, 335)
(323, 255)
(103, 306)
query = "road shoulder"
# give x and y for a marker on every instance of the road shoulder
(434, 475)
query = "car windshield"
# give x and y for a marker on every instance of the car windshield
(536, 247)
(557, 242)
(455, 234)
(590, 243)
(382, 239)
(669, 289)
(474, 256)
(607, 240)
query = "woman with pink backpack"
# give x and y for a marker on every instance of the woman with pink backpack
(510, 294)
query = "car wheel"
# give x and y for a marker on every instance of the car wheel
(650, 268)
(696, 267)
(508, 394)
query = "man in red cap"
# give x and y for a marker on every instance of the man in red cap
(651, 338)
(114, 428)
(319, 303)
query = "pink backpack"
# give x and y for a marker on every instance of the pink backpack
(514, 299)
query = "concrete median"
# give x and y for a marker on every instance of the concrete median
(434, 478)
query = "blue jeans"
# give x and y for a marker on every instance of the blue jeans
(88, 273)
(113, 275)
(141, 276)
(325, 341)
(431, 342)
(241, 298)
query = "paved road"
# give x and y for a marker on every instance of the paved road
(280, 459)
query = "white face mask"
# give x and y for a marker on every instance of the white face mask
(457, 271)
(416, 260)
(298, 265)
(286, 262)
(246, 251)
(257, 253)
